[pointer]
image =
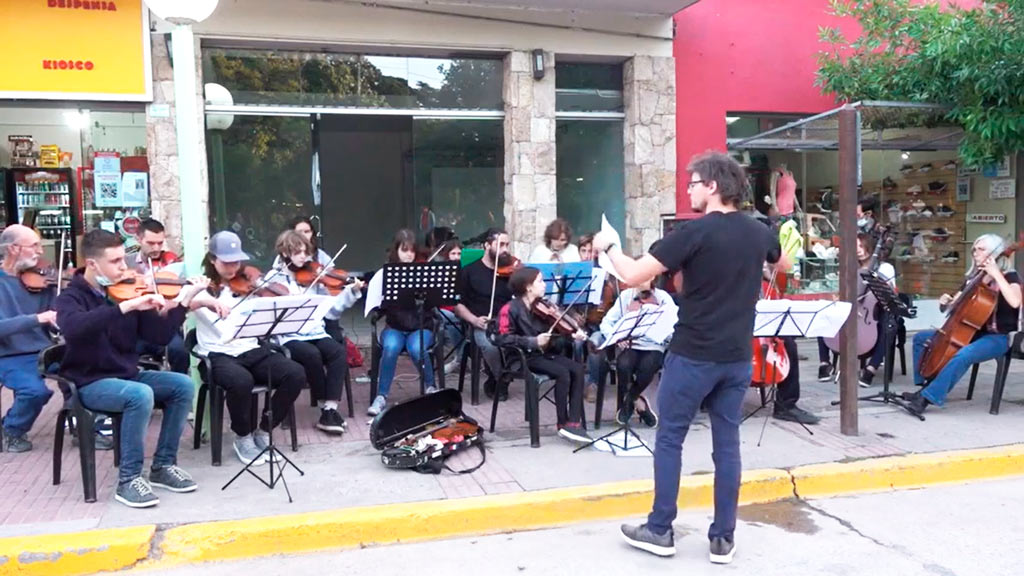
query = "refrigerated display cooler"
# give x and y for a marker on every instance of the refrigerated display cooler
(43, 198)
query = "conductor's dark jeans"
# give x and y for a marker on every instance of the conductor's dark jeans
(685, 383)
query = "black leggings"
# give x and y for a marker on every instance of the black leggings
(568, 375)
(314, 356)
(238, 375)
(637, 368)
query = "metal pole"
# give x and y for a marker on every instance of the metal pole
(848, 364)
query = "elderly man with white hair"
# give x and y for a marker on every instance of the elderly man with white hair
(24, 321)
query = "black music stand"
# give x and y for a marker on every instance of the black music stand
(424, 285)
(264, 318)
(633, 324)
(895, 309)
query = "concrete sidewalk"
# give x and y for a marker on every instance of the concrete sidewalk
(347, 473)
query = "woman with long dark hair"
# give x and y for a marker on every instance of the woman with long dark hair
(403, 331)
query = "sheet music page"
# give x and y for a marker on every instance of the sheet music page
(656, 323)
(602, 259)
(374, 293)
(597, 286)
(266, 311)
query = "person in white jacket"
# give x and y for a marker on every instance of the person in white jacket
(312, 347)
(638, 360)
(557, 246)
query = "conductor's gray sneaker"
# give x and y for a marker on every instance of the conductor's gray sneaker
(641, 537)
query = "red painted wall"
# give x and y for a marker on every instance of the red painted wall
(743, 56)
(746, 56)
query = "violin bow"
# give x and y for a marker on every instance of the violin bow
(570, 305)
(494, 285)
(266, 280)
(438, 251)
(60, 262)
(324, 269)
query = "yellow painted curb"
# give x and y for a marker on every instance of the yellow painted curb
(75, 553)
(912, 471)
(443, 519)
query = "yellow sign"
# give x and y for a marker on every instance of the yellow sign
(75, 50)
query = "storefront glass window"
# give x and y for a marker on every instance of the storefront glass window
(590, 173)
(588, 87)
(292, 78)
(260, 177)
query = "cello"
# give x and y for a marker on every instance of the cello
(967, 314)
(770, 361)
(867, 331)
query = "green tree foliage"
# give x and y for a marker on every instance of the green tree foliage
(970, 60)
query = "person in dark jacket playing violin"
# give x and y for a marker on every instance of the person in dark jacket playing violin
(519, 326)
(991, 341)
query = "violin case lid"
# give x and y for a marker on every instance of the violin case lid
(416, 415)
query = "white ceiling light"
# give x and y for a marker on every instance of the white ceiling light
(217, 95)
(731, 119)
(182, 11)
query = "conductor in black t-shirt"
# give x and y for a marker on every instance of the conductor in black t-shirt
(721, 256)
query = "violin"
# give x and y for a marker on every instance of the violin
(561, 322)
(507, 264)
(609, 293)
(247, 281)
(133, 285)
(334, 279)
(43, 275)
(165, 258)
(641, 298)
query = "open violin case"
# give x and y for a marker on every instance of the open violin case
(419, 434)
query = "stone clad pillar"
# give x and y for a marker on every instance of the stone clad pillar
(649, 95)
(162, 150)
(530, 197)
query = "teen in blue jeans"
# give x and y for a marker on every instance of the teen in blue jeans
(135, 399)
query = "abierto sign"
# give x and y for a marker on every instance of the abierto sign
(75, 50)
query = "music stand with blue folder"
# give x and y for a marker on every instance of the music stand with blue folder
(565, 281)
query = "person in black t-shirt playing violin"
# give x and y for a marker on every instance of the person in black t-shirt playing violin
(721, 256)
(482, 294)
(991, 341)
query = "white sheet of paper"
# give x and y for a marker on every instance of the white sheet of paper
(292, 322)
(374, 293)
(810, 318)
(602, 259)
(597, 286)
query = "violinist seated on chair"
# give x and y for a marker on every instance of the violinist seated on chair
(152, 257)
(521, 325)
(638, 360)
(991, 341)
(26, 318)
(323, 358)
(482, 293)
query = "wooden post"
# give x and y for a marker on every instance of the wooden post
(849, 365)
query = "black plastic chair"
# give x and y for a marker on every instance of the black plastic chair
(1002, 371)
(216, 400)
(470, 358)
(435, 350)
(80, 421)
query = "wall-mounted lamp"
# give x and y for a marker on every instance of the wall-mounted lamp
(905, 155)
(538, 64)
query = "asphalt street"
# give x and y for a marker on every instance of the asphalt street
(957, 530)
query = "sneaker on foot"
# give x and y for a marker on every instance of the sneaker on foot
(136, 493)
(331, 422)
(641, 537)
(647, 414)
(248, 452)
(622, 415)
(824, 372)
(917, 404)
(261, 438)
(452, 366)
(865, 378)
(172, 478)
(17, 444)
(575, 433)
(379, 403)
(795, 414)
(590, 393)
(431, 389)
(104, 442)
(722, 550)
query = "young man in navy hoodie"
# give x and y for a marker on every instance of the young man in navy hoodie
(101, 359)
